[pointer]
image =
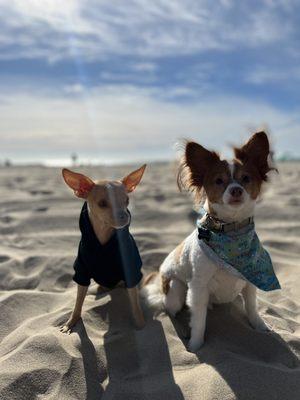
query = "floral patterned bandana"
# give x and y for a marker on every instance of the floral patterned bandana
(241, 253)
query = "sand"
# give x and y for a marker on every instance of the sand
(105, 358)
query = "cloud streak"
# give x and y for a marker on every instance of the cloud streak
(98, 29)
(125, 123)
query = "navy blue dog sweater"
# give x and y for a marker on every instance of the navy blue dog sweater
(107, 264)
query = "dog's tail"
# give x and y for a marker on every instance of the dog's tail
(152, 291)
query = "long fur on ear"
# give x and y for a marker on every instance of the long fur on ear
(193, 166)
(256, 150)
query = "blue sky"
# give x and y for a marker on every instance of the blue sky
(124, 81)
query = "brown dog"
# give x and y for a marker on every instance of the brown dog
(107, 252)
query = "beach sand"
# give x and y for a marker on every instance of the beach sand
(105, 358)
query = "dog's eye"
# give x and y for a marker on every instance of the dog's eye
(102, 203)
(245, 178)
(219, 181)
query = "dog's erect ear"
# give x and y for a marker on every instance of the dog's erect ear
(133, 179)
(81, 184)
(194, 165)
(256, 150)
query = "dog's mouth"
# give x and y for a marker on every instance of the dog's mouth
(120, 226)
(235, 202)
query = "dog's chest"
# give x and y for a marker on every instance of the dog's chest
(225, 287)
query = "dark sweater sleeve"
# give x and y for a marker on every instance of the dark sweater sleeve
(81, 275)
(131, 260)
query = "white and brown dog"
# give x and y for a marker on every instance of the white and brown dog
(202, 269)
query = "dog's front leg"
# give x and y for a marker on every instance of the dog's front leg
(133, 294)
(249, 295)
(197, 300)
(76, 314)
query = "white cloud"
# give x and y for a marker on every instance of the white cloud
(273, 74)
(125, 123)
(77, 88)
(53, 29)
(145, 67)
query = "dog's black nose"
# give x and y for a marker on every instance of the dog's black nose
(236, 191)
(122, 215)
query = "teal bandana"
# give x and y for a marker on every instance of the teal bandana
(241, 253)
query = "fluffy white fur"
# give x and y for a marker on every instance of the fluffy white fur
(197, 281)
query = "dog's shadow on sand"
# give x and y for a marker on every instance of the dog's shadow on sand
(138, 364)
(92, 373)
(254, 365)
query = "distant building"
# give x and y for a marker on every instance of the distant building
(74, 158)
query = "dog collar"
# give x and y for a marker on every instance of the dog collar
(209, 222)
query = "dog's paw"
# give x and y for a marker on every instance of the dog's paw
(194, 345)
(259, 324)
(68, 327)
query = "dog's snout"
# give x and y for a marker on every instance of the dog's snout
(236, 191)
(121, 218)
